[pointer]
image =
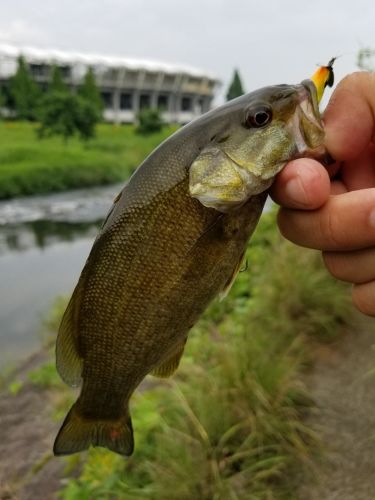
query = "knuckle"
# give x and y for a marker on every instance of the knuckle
(334, 264)
(355, 80)
(332, 231)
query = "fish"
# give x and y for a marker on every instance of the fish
(173, 240)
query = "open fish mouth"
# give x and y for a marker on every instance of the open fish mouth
(311, 95)
(306, 124)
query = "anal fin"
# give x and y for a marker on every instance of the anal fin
(170, 365)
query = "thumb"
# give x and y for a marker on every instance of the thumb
(349, 117)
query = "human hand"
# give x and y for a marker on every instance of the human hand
(338, 216)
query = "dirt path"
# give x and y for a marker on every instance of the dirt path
(342, 384)
(27, 469)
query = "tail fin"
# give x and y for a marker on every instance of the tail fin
(77, 434)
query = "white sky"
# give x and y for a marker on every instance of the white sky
(269, 41)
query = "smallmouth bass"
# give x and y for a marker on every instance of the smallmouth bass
(173, 240)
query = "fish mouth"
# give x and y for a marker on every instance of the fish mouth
(306, 124)
(311, 94)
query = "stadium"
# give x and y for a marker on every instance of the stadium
(126, 85)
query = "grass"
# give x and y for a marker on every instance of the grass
(32, 166)
(230, 424)
(45, 376)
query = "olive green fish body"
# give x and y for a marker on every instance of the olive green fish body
(173, 240)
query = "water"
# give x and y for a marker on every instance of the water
(44, 242)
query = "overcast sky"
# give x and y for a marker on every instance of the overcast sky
(269, 41)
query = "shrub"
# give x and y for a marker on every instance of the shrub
(149, 121)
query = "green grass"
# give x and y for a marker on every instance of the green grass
(30, 166)
(230, 424)
(45, 376)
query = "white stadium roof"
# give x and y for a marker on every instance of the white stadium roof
(66, 57)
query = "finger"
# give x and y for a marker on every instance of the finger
(338, 187)
(364, 298)
(303, 183)
(333, 169)
(360, 172)
(349, 117)
(345, 222)
(354, 267)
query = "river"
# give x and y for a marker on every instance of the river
(44, 242)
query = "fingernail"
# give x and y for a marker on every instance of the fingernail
(295, 191)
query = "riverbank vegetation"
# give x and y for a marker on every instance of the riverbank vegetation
(29, 165)
(230, 423)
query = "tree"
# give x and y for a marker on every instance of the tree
(56, 115)
(24, 92)
(90, 92)
(57, 83)
(235, 88)
(66, 114)
(2, 101)
(87, 116)
(366, 59)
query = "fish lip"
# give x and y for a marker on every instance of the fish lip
(307, 110)
(308, 103)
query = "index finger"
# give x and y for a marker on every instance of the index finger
(345, 222)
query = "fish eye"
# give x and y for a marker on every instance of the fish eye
(258, 117)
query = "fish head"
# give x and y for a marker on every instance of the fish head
(256, 136)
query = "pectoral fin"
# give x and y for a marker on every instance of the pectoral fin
(228, 285)
(170, 365)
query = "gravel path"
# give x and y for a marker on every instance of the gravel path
(342, 384)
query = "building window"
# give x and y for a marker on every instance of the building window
(107, 98)
(126, 101)
(144, 101)
(163, 101)
(66, 71)
(186, 104)
(38, 70)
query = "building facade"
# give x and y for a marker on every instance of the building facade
(126, 85)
